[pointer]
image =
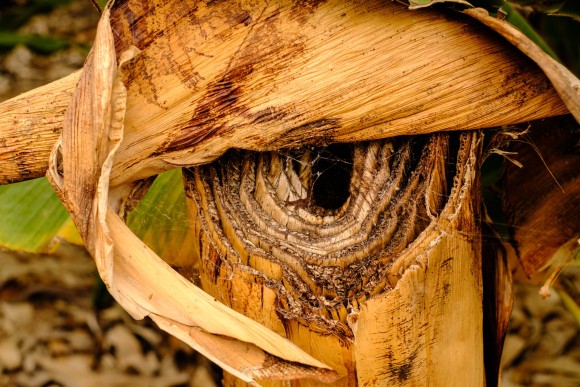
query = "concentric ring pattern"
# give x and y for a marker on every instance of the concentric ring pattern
(272, 216)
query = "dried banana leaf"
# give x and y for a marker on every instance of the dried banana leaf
(565, 83)
(194, 79)
(259, 76)
(140, 281)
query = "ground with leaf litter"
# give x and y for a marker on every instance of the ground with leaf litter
(58, 327)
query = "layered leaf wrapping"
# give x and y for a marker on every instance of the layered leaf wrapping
(177, 83)
(259, 76)
(138, 279)
(384, 285)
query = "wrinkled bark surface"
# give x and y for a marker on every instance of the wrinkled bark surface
(367, 256)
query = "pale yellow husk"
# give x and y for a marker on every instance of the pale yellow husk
(271, 76)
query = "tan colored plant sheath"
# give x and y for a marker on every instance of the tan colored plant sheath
(30, 124)
(565, 83)
(262, 75)
(140, 281)
(194, 79)
(386, 288)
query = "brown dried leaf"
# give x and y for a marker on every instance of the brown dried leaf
(141, 282)
(267, 77)
(264, 77)
(567, 85)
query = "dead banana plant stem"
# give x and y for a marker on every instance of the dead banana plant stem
(380, 286)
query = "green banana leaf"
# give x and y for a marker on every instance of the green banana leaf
(31, 215)
(161, 221)
(32, 218)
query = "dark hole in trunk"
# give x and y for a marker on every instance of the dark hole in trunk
(331, 174)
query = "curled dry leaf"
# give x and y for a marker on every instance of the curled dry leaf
(202, 78)
(567, 85)
(263, 76)
(542, 226)
(140, 281)
(416, 4)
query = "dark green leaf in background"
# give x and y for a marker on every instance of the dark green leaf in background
(31, 215)
(38, 43)
(14, 14)
(161, 220)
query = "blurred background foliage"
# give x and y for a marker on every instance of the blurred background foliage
(16, 13)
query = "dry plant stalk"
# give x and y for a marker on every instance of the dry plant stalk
(258, 76)
(195, 79)
(30, 125)
(139, 280)
(386, 287)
